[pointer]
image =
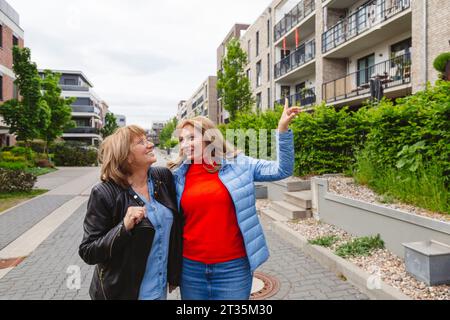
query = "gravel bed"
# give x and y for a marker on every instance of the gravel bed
(381, 262)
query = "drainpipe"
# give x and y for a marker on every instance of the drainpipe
(425, 37)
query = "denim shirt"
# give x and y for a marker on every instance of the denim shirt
(154, 282)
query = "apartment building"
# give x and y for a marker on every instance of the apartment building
(121, 120)
(335, 50)
(202, 103)
(155, 131)
(235, 32)
(88, 110)
(257, 42)
(182, 110)
(11, 34)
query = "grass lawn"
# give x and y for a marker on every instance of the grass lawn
(40, 171)
(11, 199)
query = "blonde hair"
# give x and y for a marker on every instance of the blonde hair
(211, 135)
(114, 152)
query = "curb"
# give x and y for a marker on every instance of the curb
(356, 276)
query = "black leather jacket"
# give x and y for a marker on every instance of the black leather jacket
(120, 256)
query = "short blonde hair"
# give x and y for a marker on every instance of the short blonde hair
(211, 135)
(114, 152)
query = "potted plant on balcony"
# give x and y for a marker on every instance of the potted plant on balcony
(307, 96)
(442, 65)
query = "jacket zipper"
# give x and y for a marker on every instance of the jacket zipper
(100, 271)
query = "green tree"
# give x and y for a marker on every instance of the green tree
(165, 135)
(27, 115)
(232, 82)
(110, 125)
(60, 110)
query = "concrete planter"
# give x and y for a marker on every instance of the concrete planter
(363, 219)
(428, 261)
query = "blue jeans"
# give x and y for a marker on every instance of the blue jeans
(231, 280)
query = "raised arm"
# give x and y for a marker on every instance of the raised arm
(283, 167)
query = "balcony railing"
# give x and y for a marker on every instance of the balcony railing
(305, 98)
(293, 17)
(369, 15)
(85, 130)
(303, 54)
(66, 87)
(391, 73)
(86, 109)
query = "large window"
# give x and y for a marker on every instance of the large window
(258, 73)
(15, 40)
(257, 43)
(258, 101)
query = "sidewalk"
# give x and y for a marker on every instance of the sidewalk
(25, 226)
(44, 274)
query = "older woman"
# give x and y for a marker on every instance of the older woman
(132, 228)
(223, 241)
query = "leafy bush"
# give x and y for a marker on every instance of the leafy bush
(360, 246)
(326, 241)
(326, 140)
(16, 180)
(13, 165)
(407, 152)
(441, 61)
(74, 154)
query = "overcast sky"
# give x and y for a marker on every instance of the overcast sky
(142, 56)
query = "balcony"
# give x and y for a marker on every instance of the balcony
(303, 54)
(293, 17)
(86, 109)
(66, 87)
(83, 130)
(305, 98)
(368, 16)
(392, 73)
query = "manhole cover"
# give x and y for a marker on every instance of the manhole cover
(264, 286)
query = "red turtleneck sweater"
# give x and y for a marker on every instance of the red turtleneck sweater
(211, 232)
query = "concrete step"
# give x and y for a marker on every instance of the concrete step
(300, 199)
(289, 210)
(273, 215)
(298, 185)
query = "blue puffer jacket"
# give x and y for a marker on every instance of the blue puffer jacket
(238, 176)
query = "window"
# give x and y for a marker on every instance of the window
(268, 33)
(249, 75)
(70, 82)
(401, 48)
(258, 101)
(257, 43)
(1, 36)
(1, 88)
(269, 106)
(258, 73)
(15, 40)
(365, 69)
(285, 92)
(268, 67)
(15, 92)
